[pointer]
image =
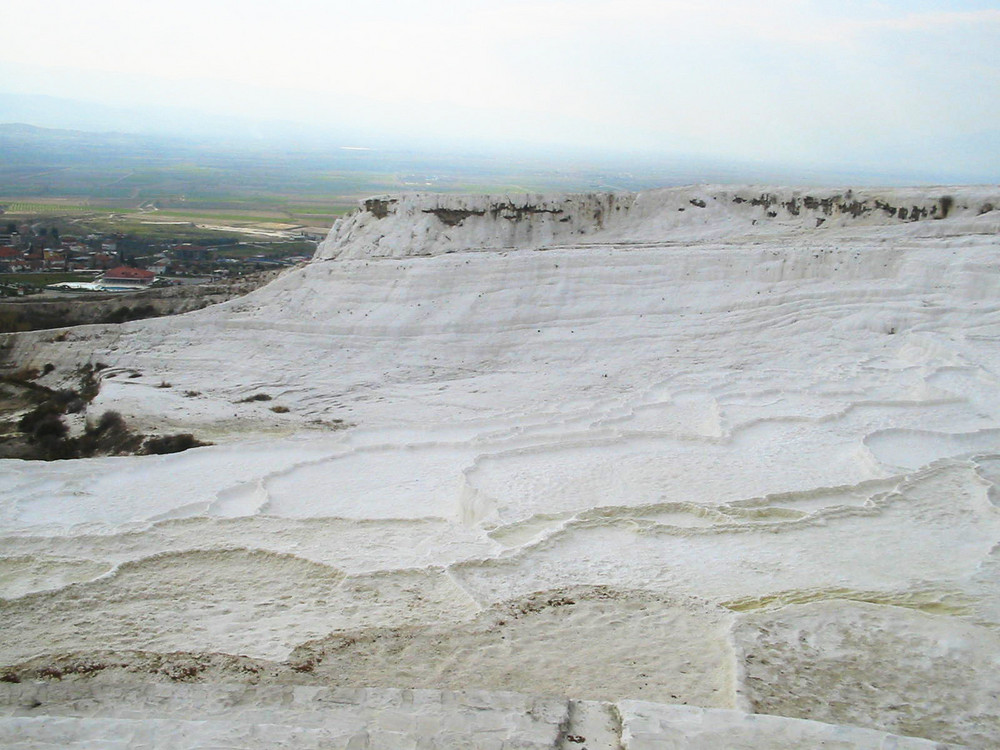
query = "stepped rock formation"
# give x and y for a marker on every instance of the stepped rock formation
(531, 469)
(426, 224)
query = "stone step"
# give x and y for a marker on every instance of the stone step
(352, 717)
(214, 716)
(43, 732)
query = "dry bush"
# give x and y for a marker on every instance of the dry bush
(170, 444)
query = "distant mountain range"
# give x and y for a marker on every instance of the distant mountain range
(67, 126)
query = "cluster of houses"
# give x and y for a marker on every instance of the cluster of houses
(27, 251)
(116, 263)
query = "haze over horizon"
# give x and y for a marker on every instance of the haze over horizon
(862, 88)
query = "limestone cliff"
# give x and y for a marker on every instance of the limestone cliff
(433, 224)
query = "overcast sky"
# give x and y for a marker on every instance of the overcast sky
(882, 84)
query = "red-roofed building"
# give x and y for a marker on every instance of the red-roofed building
(126, 278)
(10, 257)
(34, 260)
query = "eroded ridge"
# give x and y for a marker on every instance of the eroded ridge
(430, 224)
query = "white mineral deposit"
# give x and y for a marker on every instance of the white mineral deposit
(699, 467)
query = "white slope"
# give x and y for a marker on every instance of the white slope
(196, 717)
(584, 446)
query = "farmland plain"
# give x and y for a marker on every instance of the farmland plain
(161, 187)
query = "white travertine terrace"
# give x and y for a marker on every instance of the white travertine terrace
(736, 448)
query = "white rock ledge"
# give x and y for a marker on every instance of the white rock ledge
(196, 717)
(414, 224)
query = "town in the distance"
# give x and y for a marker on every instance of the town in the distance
(35, 256)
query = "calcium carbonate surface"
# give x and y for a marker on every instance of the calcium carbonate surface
(734, 448)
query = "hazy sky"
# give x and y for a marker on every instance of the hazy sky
(795, 81)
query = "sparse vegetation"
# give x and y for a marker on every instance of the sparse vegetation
(124, 313)
(171, 443)
(109, 420)
(42, 432)
(946, 202)
(25, 374)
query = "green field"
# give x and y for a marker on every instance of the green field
(41, 280)
(22, 208)
(180, 225)
(183, 232)
(272, 249)
(203, 215)
(108, 182)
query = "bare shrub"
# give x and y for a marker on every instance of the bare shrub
(255, 397)
(946, 202)
(25, 374)
(170, 444)
(110, 420)
(28, 422)
(49, 426)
